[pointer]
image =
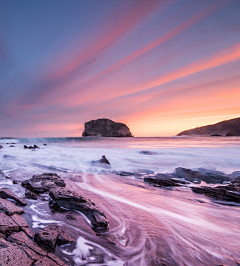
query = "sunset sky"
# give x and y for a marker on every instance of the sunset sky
(159, 66)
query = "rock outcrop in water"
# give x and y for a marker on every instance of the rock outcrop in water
(71, 200)
(43, 183)
(106, 128)
(225, 128)
(230, 192)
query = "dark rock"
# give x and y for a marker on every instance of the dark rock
(12, 255)
(7, 225)
(209, 176)
(148, 152)
(162, 180)
(31, 195)
(11, 146)
(45, 144)
(123, 173)
(7, 193)
(221, 192)
(48, 235)
(64, 238)
(225, 128)
(71, 200)
(103, 160)
(235, 175)
(216, 135)
(106, 128)
(9, 208)
(43, 183)
(1, 147)
(31, 147)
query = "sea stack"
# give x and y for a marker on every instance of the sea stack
(104, 127)
(224, 128)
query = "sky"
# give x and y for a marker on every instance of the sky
(160, 67)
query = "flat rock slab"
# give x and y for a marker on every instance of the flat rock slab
(18, 238)
(7, 193)
(7, 224)
(19, 220)
(46, 262)
(43, 183)
(12, 255)
(9, 208)
(48, 235)
(71, 200)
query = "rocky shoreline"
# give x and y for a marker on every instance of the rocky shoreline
(20, 245)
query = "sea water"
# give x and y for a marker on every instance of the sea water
(147, 225)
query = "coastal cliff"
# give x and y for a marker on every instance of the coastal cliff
(106, 128)
(224, 128)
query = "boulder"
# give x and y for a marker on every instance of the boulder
(104, 160)
(48, 235)
(7, 193)
(1, 147)
(106, 128)
(9, 208)
(43, 183)
(72, 200)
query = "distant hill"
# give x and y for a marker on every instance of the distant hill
(225, 128)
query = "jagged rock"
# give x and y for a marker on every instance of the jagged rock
(220, 193)
(64, 238)
(148, 152)
(1, 147)
(12, 255)
(43, 183)
(209, 176)
(2, 236)
(106, 128)
(9, 208)
(31, 147)
(7, 225)
(225, 128)
(7, 193)
(104, 160)
(48, 235)
(162, 180)
(31, 195)
(72, 200)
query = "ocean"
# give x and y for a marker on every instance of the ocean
(147, 225)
